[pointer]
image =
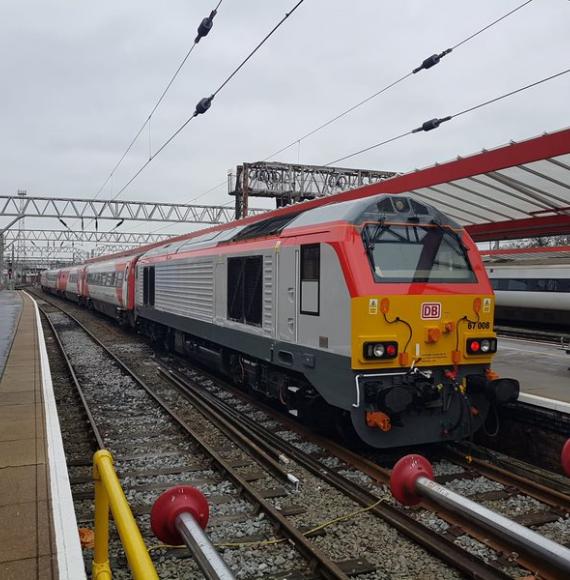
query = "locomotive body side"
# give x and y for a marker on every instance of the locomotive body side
(372, 317)
(294, 313)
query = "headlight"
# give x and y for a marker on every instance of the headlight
(378, 350)
(481, 345)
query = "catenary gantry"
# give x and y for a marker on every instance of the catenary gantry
(101, 209)
(519, 190)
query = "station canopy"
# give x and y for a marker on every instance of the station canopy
(519, 190)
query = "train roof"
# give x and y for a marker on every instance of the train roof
(525, 184)
(550, 255)
(383, 206)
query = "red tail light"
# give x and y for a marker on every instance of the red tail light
(481, 345)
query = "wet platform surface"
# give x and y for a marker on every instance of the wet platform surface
(10, 308)
(27, 546)
(541, 368)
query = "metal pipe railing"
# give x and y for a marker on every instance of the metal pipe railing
(412, 479)
(109, 495)
(179, 516)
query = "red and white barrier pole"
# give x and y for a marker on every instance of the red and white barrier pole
(412, 479)
(179, 516)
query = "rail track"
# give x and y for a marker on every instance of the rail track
(457, 542)
(128, 416)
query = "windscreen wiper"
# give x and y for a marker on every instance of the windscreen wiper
(370, 240)
(453, 233)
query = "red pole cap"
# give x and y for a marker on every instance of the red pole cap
(404, 476)
(565, 457)
(170, 504)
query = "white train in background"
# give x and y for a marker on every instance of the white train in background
(532, 285)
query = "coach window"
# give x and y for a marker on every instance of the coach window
(245, 289)
(310, 279)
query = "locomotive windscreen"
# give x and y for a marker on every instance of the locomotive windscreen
(416, 253)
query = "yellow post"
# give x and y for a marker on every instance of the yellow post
(101, 569)
(139, 560)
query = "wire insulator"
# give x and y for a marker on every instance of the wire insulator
(432, 60)
(203, 105)
(431, 124)
(205, 26)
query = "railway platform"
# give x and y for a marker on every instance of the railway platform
(541, 368)
(38, 535)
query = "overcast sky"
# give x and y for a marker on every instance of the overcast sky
(79, 78)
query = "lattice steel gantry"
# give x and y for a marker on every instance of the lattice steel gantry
(106, 209)
(20, 206)
(293, 182)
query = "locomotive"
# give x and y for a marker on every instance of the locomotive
(370, 317)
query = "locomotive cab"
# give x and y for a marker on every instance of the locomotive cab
(422, 328)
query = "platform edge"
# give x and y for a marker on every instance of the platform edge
(70, 561)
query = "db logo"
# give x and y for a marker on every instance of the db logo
(431, 310)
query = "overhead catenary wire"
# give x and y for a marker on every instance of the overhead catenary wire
(203, 30)
(205, 103)
(491, 24)
(425, 65)
(436, 122)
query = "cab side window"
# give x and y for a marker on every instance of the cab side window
(310, 277)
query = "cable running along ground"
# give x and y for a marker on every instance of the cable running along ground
(205, 103)
(426, 64)
(436, 122)
(203, 30)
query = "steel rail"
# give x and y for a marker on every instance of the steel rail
(554, 498)
(76, 383)
(319, 562)
(471, 527)
(441, 547)
(438, 545)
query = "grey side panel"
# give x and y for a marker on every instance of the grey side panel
(287, 307)
(331, 329)
(329, 373)
(267, 296)
(186, 288)
(267, 321)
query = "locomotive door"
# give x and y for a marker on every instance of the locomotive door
(287, 293)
